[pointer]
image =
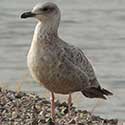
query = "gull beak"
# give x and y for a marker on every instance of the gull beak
(27, 14)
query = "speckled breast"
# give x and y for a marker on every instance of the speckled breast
(41, 64)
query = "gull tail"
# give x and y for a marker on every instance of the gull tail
(96, 92)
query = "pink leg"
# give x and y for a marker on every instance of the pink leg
(52, 106)
(69, 103)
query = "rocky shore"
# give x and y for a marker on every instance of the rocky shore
(20, 108)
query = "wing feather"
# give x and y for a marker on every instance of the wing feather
(78, 58)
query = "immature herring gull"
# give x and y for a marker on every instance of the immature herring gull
(53, 63)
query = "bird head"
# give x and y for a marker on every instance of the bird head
(47, 13)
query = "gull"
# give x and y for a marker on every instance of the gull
(59, 67)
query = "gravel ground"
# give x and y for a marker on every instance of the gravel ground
(19, 108)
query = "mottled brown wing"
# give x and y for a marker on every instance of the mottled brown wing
(77, 57)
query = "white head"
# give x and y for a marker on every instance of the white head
(48, 14)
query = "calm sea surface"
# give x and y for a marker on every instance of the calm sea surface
(96, 26)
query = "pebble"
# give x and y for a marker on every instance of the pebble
(20, 108)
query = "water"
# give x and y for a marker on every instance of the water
(97, 26)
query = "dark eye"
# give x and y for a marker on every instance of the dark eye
(45, 9)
